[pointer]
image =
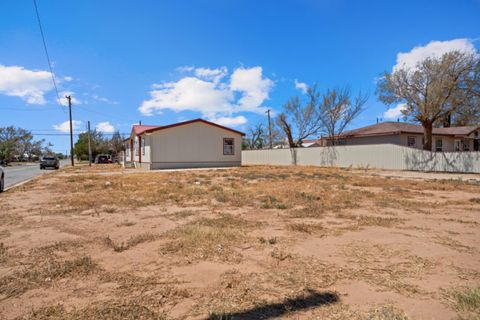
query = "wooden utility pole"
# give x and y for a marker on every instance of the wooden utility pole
(89, 146)
(69, 98)
(269, 129)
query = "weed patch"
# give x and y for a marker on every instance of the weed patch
(44, 273)
(130, 243)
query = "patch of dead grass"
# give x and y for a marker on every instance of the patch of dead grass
(9, 219)
(371, 220)
(387, 268)
(309, 228)
(453, 244)
(465, 300)
(42, 274)
(209, 238)
(131, 242)
(109, 310)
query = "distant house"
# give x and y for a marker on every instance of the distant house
(190, 144)
(307, 143)
(406, 134)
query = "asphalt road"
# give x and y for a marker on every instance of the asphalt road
(17, 174)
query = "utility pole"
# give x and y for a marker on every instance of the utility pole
(89, 146)
(269, 128)
(69, 98)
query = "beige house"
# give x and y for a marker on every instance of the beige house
(411, 135)
(191, 144)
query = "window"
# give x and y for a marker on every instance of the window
(228, 146)
(135, 147)
(466, 145)
(457, 145)
(438, 144)
(411, 141)
(127, 149)
(143, 146)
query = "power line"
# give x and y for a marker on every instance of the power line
(46, 52)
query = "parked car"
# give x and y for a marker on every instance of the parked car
(49, 162)
(2, 177)
(103, 158)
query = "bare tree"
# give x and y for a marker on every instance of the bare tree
(256, 137)
(300, 120)
(337, 109)
(436, 91)
(116, 143)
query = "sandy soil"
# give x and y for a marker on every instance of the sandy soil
(243, 243)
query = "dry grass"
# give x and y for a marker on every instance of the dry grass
(238, 243)
(371, 220)
(111, 310)
(4, 254)
(453, 244)
(131, 242)
(466, 300)
(209, 239)
(44, 273)
(9, 219)
(310, 228)
(387, 268)
(387, 312)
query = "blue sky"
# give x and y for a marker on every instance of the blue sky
(224, 60)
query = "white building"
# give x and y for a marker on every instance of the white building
(191, 144)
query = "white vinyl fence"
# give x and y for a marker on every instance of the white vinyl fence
(380, 156)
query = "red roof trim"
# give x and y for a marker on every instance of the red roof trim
(189, 122)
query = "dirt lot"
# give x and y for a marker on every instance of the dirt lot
(245, 243)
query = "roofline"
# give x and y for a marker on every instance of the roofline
(476, 128)
(397, 132)
(189, 122)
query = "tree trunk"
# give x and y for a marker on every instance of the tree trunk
(447, 121)
(427, 135)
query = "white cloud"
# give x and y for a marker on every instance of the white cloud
(189, 93)
(254, 87)
(212, 93)
(230, 121)
(65, 126)
(433, 49)
(105, 127)
(28, 85)
(395, 112)
(214, 75)
(185, 69)
(68, 79)
(301, 86)
(63, 100)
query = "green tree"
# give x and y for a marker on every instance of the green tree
(99, 145)
(436, 92)
(20, 142)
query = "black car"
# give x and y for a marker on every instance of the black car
(103, 158)
(2, 177)
(49, 162)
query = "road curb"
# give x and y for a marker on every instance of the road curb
(26, 181)
(19, 184)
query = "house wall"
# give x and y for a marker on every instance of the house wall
(192, 146)
(146, 152)
(128, 154)
(402, 140)
(393, 139)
